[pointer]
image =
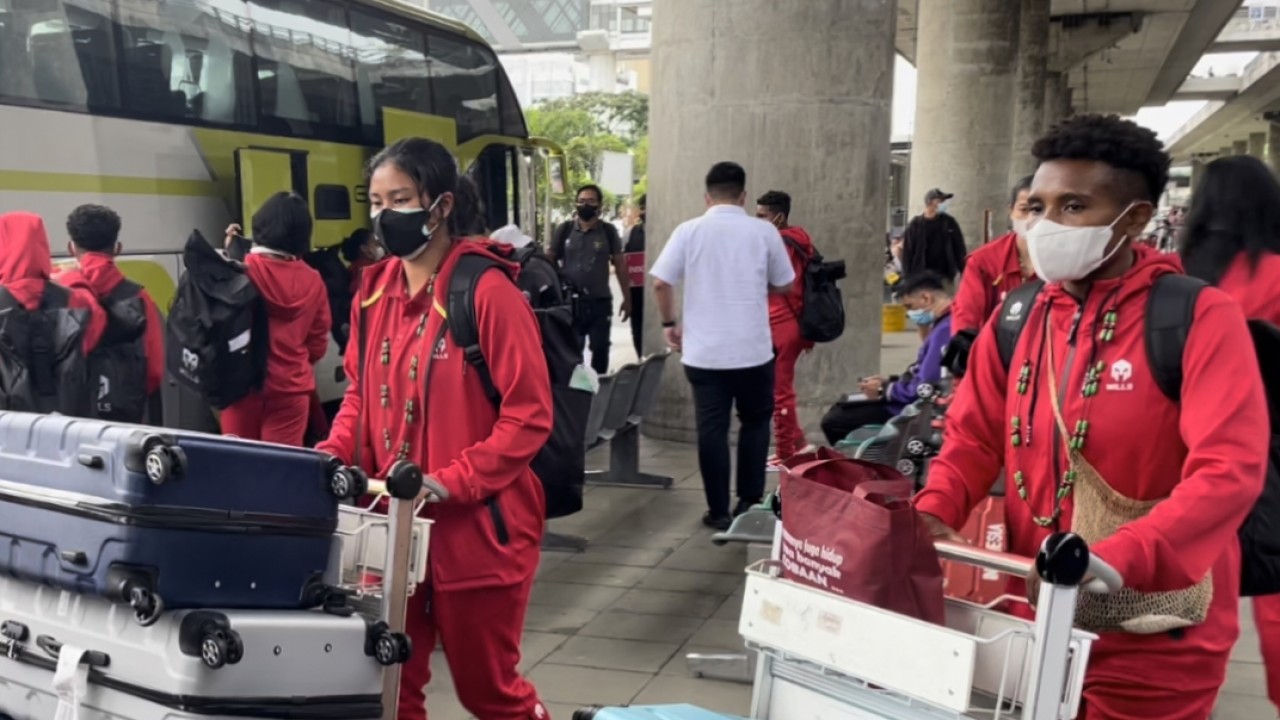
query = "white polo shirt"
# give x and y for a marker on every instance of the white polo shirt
(726, 261)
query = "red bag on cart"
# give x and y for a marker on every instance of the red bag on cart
(985, 529)
(848, 527)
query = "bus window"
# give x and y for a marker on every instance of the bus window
(306, 73)
(391, 70)
(187, 60)
(464, 85)
(59, 53)
(512, 116)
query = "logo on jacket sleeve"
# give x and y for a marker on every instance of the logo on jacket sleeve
(1121, 376)
(441, 352)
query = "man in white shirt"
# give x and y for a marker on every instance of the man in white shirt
(729, 262)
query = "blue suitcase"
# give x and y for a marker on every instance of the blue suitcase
(161, 519)
(651, 712)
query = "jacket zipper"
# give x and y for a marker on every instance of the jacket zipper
(1063, 377)
(499, 522)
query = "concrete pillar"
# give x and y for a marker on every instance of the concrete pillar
(1273, 146)
(1226, 151)
(1057, 99)
(965, 60)
(1029, 87)
(811, 116)
(1240, 147)
(1258, 145)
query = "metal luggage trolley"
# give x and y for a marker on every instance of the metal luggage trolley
(825, 656)
(378, 560)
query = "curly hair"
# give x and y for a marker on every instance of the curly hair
(94, 228)
(1122, 144)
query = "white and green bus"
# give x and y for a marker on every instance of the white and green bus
(183, 114)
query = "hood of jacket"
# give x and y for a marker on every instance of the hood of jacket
(25, 260)
(1148, 265)
(97, 273)
(289, 286)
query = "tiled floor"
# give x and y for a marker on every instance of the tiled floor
(611, 625)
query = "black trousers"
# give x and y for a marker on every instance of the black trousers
(848, 415)
(595, 323)
(637, 319)
(715, 393)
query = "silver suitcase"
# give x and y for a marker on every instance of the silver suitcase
(88, 659)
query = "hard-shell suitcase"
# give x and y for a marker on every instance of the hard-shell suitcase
(651, 712)
(301, 664)
(166, 520)
(985, 529)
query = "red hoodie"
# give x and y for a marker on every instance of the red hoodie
(786, 307)
(99, 275)
(1208, 459)
(297, 320)
(26, 266)
(477, 451)
(990, 273)
(1255, 288)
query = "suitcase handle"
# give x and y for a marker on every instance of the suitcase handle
(1058, 562)
(53, 648)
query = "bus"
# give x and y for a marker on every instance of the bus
(188, 114)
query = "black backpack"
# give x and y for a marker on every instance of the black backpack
(120, 388)
(217, 329)
(1170, 312)
(561, 464)
(43, 368)
(822, 317)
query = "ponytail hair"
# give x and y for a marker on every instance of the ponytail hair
(434, 172)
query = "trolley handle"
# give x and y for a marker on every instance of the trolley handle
(435, 490)
(1064, 559)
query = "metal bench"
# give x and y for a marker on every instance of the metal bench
(633, 391)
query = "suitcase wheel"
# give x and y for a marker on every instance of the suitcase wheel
(147, 606)
(164, 463)
(388, 648)
(348, 482)
(220, 647)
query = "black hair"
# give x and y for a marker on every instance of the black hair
(590, 188)
(777, 201)
(1235, 209)
(352, 246)
(470, 194)
(922, 281)
(434, 172)
(726, 180)
(94, 228)
(1122, 144)
(283, 223)
(1020, 187)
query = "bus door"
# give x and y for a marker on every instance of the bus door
(555, 172)
(261, 173)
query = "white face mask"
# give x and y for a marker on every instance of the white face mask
(1060, 253)
(1020, 227)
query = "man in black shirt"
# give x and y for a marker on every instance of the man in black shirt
(585, 248)
(933, 242)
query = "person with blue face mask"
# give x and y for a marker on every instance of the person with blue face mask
(928, 301)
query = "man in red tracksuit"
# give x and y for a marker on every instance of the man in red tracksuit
(297, 324)
(994, 269)
(784, 322)
(418, 398)
(1203, 460)
(95, 243)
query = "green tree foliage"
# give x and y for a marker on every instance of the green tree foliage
(589, 124)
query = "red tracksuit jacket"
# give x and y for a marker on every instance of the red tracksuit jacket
(99, 275)
(478, 452)
(26, 265)
(297, 321)
(784, 308)
(1208, 459)
(990, 273)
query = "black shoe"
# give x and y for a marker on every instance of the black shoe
(744, 505)
(717, 522)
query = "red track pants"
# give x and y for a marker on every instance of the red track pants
(270, 417)
(480, 631)
(788, 437)
(1266, 615)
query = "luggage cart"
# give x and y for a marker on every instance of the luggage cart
(371, 547)
(822, 655)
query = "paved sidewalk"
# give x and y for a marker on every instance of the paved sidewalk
(612, 625)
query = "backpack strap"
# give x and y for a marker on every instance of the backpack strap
(1171, 310)
(7, 300)
(43, 342)
(563, 232)
(124, 290)
(1014, 312)
(462, 315)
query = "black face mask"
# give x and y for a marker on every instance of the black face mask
(588, 212)
(404, 232)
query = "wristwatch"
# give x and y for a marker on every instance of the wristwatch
(668, 324)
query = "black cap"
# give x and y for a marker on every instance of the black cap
(936, 194)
